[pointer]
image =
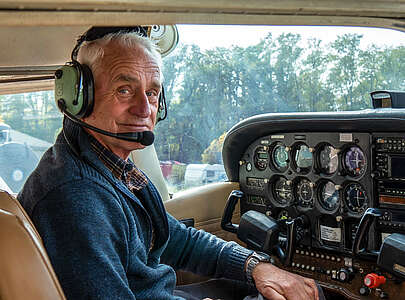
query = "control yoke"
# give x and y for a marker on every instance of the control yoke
(226, 222)
(262, 232)
(366, 221)
(392, 250)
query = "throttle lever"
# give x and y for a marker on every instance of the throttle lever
(226, 221)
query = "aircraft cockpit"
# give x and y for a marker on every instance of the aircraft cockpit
(285, 130)
(325, 194)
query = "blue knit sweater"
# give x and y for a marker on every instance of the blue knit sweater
(98, 234)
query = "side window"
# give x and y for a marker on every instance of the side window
(29, 123)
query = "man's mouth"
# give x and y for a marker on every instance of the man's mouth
(135, 127)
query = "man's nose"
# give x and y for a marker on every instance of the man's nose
(140, 106)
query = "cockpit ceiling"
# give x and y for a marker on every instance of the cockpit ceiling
(126, 12)
(369, 8)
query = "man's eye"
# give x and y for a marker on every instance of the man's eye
(124, 91)
(152, 97)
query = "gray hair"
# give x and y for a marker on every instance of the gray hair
(91, 53)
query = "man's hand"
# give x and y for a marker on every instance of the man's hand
(276, 284)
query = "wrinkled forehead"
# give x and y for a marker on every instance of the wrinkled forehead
(114, 50)
(118, 58)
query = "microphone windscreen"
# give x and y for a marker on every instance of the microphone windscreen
(147, 138)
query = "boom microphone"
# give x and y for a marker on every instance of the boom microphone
(145, 138)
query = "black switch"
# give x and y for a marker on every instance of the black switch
(364, 291)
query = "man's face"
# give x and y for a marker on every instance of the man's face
(127, 87)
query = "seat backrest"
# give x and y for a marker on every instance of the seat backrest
(25, 268)
(147, 160)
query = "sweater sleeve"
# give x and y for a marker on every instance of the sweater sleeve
(87, 246)
(203, 253)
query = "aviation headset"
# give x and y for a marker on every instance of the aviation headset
(74, 83)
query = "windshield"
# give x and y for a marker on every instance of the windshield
(218, 76)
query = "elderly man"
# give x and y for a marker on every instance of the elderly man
(103, 222)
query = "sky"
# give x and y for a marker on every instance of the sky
(206, 37)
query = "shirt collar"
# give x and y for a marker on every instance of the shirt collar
(121, 169)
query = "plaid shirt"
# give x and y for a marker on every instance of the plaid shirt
(126, 171)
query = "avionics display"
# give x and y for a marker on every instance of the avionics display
(390, 170)
(397, 166)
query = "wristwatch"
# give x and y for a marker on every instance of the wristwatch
(253, 260)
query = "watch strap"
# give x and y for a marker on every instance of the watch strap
(253, 260)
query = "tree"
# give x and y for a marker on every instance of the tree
(393, 66)
(286, 72)
(32, 113)
(213, 154)
(344, 75)
(315, 95)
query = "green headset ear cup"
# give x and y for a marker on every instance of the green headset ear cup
(74, 85)
(67, 80)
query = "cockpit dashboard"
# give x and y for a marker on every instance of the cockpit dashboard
(329, 169)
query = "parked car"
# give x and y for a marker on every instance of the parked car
(201, 174)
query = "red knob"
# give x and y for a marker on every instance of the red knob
(373, 280)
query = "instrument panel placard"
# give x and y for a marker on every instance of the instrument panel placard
(331, 234)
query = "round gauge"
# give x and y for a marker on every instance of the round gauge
(355, 161)
(261, 157)
(302, 158)
(305, 193)
(328, 196)
(283, 191)
(279, 157)
(328, 159)
(355, 198)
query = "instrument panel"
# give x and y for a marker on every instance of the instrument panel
(330, 179)
(332, 186)
(324, 176)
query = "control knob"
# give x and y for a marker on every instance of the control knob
(373, 280)
(364, 291)
(345, 275)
